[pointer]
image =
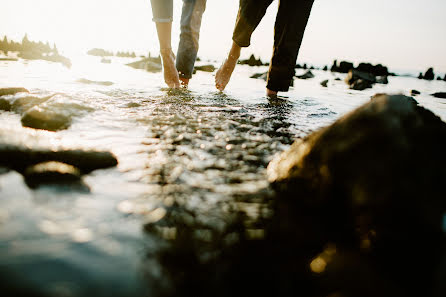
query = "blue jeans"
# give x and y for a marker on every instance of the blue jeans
(190, 30)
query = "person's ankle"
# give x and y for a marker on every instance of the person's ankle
(271, 93)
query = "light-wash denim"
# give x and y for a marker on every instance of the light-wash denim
(191, 16)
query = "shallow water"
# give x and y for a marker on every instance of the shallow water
(192, 158)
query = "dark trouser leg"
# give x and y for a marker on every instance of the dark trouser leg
(189, 38)
(291, 20)
(250, 14)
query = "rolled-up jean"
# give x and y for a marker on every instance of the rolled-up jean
(190, 30)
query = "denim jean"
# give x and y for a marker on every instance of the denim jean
(291, 20)
(191, 16)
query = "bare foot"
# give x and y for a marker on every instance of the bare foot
(184, 82)
(224, 73)
(170, 71)
(271, 94)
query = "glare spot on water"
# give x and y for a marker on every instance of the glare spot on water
(125, 207)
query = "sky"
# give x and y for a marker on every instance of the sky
(401, 34)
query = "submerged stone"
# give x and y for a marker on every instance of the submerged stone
(372, 184)
(5, 105)
(45, 119)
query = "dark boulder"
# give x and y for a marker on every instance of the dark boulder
(263, 76)
(5, 105)
(344, 67)
(252, 61)
(358, 80)
(12, 91)
(429, 75)
(325, 68)
(324, 83)
(369, 191)
(441, 95)
(19, 151)
(306, 75)
(414, 93)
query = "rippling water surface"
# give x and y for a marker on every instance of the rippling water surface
(191, 163)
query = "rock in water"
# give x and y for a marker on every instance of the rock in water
(46, 119)
(263, 76)
(429, 75)
(371, 184)
(360, 80)
(21, 150)
(441, 95)
(306, 75)
(205, 68)
(51, 173)
(324, 83)
(12, 91)
(414, 92)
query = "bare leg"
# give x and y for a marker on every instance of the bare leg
(271, 93)
(171, 77)
(224, 73)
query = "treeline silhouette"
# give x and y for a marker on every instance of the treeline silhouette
(27, 46)
(31, 50)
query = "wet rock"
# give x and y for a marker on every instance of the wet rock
(205, 68)
(373, 184)
(324, 83)
(51, 173)
(376, 70)
(5, 105)
(18, 154)
(92, 82)
(106, 61)
(43, 118)
(147, 64)
(252, 61)
(344, 67)
(441, 95)
(22, 104)
(359, 80)
(325, 68)
(414, 93)
(12, 91)
(263, 76)
(429, 75)
(382, 80)
(306, 75)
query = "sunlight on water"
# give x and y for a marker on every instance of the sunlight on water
(194, 156)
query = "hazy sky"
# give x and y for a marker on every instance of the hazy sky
(401, 34)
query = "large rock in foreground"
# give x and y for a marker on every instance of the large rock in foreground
(371, 185)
